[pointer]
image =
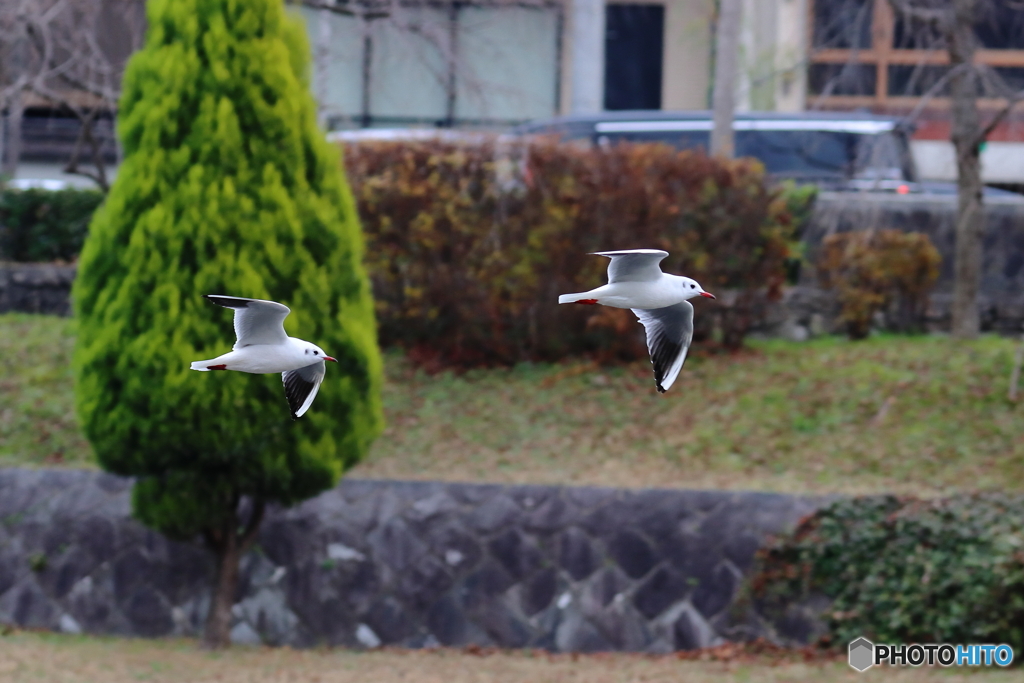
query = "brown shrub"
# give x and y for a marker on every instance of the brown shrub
(469, 245)
(873, 270)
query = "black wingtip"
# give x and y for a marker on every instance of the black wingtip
(226, 301)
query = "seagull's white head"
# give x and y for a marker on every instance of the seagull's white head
(692, 288)
(315, 353)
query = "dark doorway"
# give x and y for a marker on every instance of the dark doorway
(634, 37)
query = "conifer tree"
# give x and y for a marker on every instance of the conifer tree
(227, 187)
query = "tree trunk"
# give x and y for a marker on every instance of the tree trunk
(228, 543)
(15, 112)
(963, 85)
(218, 620)
(727, 49)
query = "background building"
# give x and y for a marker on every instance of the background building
(495, 63)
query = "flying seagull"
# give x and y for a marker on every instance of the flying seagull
(659, 300)
(263, 347)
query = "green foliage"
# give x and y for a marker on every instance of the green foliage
(904, 570)
(45, 225)
(470, 243)
(875, 269)
(227, 187)
(37, 562)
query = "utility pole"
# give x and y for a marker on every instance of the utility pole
(727, 32)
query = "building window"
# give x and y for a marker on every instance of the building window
(633, 54)
(865, 55)
(446, 63)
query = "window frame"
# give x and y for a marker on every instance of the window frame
(882, 55)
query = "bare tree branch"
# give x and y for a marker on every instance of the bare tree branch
(69, 54)
(927, 15)
(934, 90)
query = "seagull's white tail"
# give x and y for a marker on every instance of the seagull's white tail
(572, 298)
(201, 365)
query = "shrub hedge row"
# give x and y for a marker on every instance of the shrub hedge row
(45, 225)
(904, 570)
(469, 245)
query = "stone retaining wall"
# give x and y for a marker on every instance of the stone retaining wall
(415, 564)
(36, 288)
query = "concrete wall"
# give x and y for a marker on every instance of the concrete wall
(412, 564)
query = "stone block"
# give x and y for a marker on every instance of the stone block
(396, 544)
(448, 624)
(516, 553)
(390, 621)
(632, 552)
(424, 582)
(501, 623)
(148, 612)
(661, 590)
(712, 596)
(576, 554)
(493, 514)
(487, 582)
(538, 591)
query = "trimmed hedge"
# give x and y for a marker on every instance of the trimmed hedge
(45, 225)
(904, 570)
(469, 244)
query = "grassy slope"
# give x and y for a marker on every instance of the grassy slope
(37, 406)
(900, 414)
(72, 659)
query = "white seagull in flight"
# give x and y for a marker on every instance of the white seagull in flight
(659, 300)
(263, 348)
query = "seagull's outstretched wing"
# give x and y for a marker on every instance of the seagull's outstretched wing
(300, 386)
(256, 321)
(669, 333)
(634, 265)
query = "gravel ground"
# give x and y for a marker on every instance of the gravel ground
(55, 658)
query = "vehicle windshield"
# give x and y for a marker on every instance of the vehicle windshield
(797, 153)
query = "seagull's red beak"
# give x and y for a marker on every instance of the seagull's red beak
(708, 295)
(333, 360)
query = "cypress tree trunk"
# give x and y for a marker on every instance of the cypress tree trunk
(228, 545)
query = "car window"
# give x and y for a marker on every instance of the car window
(800, 152)
(880, 157)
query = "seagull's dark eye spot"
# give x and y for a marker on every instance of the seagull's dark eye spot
(693, 286)
(316, 353)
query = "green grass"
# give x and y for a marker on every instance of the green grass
(37, 403)
(906, 414)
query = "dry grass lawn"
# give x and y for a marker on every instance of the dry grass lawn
(921, 415)
(34, 657)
